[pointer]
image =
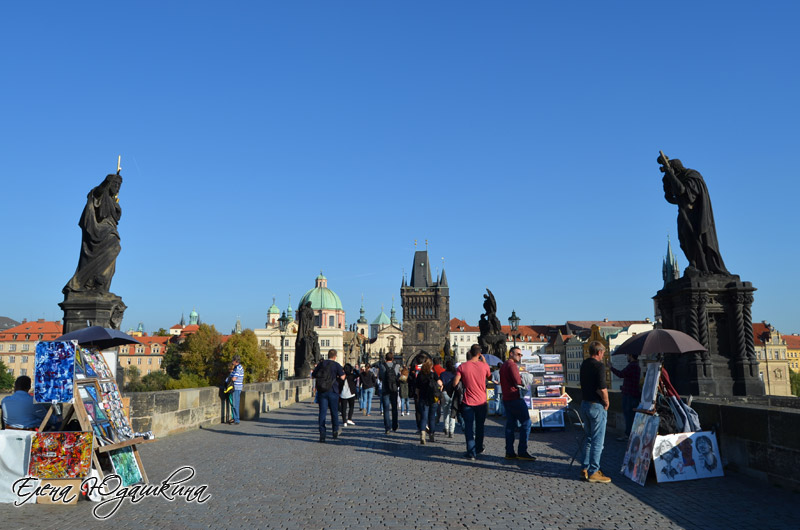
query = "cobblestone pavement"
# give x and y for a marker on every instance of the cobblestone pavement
(273, 473)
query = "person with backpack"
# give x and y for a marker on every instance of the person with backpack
(428, 392)
(327, 375)
(389, 375)
(347, 397)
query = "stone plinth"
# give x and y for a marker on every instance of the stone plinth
(714, 309)
(82, 310)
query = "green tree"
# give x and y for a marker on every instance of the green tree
(187, 380)
(255, 360)
(162, 333)
(155, 381)
(6, 379)
(171, 363)
(794, 380)
(132, 375)
(200, 351)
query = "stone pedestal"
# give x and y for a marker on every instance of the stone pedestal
(714, 309)
(82, 310)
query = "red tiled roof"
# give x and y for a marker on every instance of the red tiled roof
(759, 330)
(47, 328)
(456, 324)
(792, 341)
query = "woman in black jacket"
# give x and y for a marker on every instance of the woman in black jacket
(428, 390)
(346, 404)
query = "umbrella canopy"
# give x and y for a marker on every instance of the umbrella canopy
(660, 341)
(99, 337)
(492, 360)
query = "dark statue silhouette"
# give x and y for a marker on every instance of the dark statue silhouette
(697, 232)
(307, 353)
(492, 340)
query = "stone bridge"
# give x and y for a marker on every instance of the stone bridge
(272, 472)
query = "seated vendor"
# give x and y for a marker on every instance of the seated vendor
(19, 410)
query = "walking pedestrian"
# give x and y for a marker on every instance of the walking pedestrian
(474, 407)
(347, 397)
(594, 409)
(368, 383)
(404, 392)
(446, 401)
(389, 373)
(427, 393)
(516, 410)
(327, 376)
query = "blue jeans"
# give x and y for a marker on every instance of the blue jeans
(474, 420)
(428, 416)
(628, 404)
(328, 401)
(389, 401)
(366, 399)
(404, 405)
(498, 399)
(594, 423)
(235, 405)
(517, 411)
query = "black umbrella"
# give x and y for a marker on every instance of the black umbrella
(99, 337)
(660, 341)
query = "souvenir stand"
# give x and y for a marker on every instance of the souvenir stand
(547, 399)
(97, 406)
(678, 449)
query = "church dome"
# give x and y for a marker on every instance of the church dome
(273, 309)
(382, 320)
(321, 297)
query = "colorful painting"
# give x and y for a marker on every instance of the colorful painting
(61, 454)
(687, 456)
(549, 379)
(551, 418)
(54, 372)
(92, 392)
(126, 466)
(96, 364)
(549, 403)
(636, 462)
(650, 386)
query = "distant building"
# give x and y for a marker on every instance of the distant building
(615, 340)
(426, 309)
(385, 335)
(771, 351)
(147, 356)
(18, 344)
(792, 351)
(6, 323)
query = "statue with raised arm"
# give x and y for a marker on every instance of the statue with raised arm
(492, 340)
(99, 239)
(697, 232)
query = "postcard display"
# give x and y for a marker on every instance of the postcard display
(97, 405)
(547, 400)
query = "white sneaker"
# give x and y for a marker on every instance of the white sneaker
(350, 422)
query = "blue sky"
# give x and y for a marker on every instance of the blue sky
(263, 142)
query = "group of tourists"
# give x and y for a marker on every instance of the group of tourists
(450, 395)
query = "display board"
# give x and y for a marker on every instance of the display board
(687, 456)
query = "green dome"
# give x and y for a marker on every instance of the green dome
(382, 320)
(273, 310)
(322, 298)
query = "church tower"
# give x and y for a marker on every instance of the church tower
(426, 309)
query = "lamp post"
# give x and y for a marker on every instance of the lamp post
(282, 323)
(513, 321)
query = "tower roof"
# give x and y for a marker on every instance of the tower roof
(273, 309)
(421, 271)
(382, 319)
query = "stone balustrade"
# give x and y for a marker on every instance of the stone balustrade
(757, 436)
(172, 411)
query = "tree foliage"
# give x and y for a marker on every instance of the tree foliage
(6, 379)
(161, 333)
(200, 351)
(794, 380)
(255, 360)
(171, 363)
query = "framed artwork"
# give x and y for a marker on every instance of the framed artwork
(54, 372)
(650, 386)
(550, 358)
(61, 454)
(551, 418)
(636, 462)
(687, 456)
(96, 364)
(126, 466)
(550, 379)
(557, 367)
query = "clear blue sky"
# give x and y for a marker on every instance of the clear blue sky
(263, 142)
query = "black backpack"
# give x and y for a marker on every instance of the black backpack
(324, 378)
(389, 378)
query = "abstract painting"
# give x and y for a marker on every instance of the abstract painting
(61, 454)
(636, 462)
(126, 466)
(687, 456)
(54, 372)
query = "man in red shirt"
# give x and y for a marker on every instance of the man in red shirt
(515, 407)
(473, 374)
